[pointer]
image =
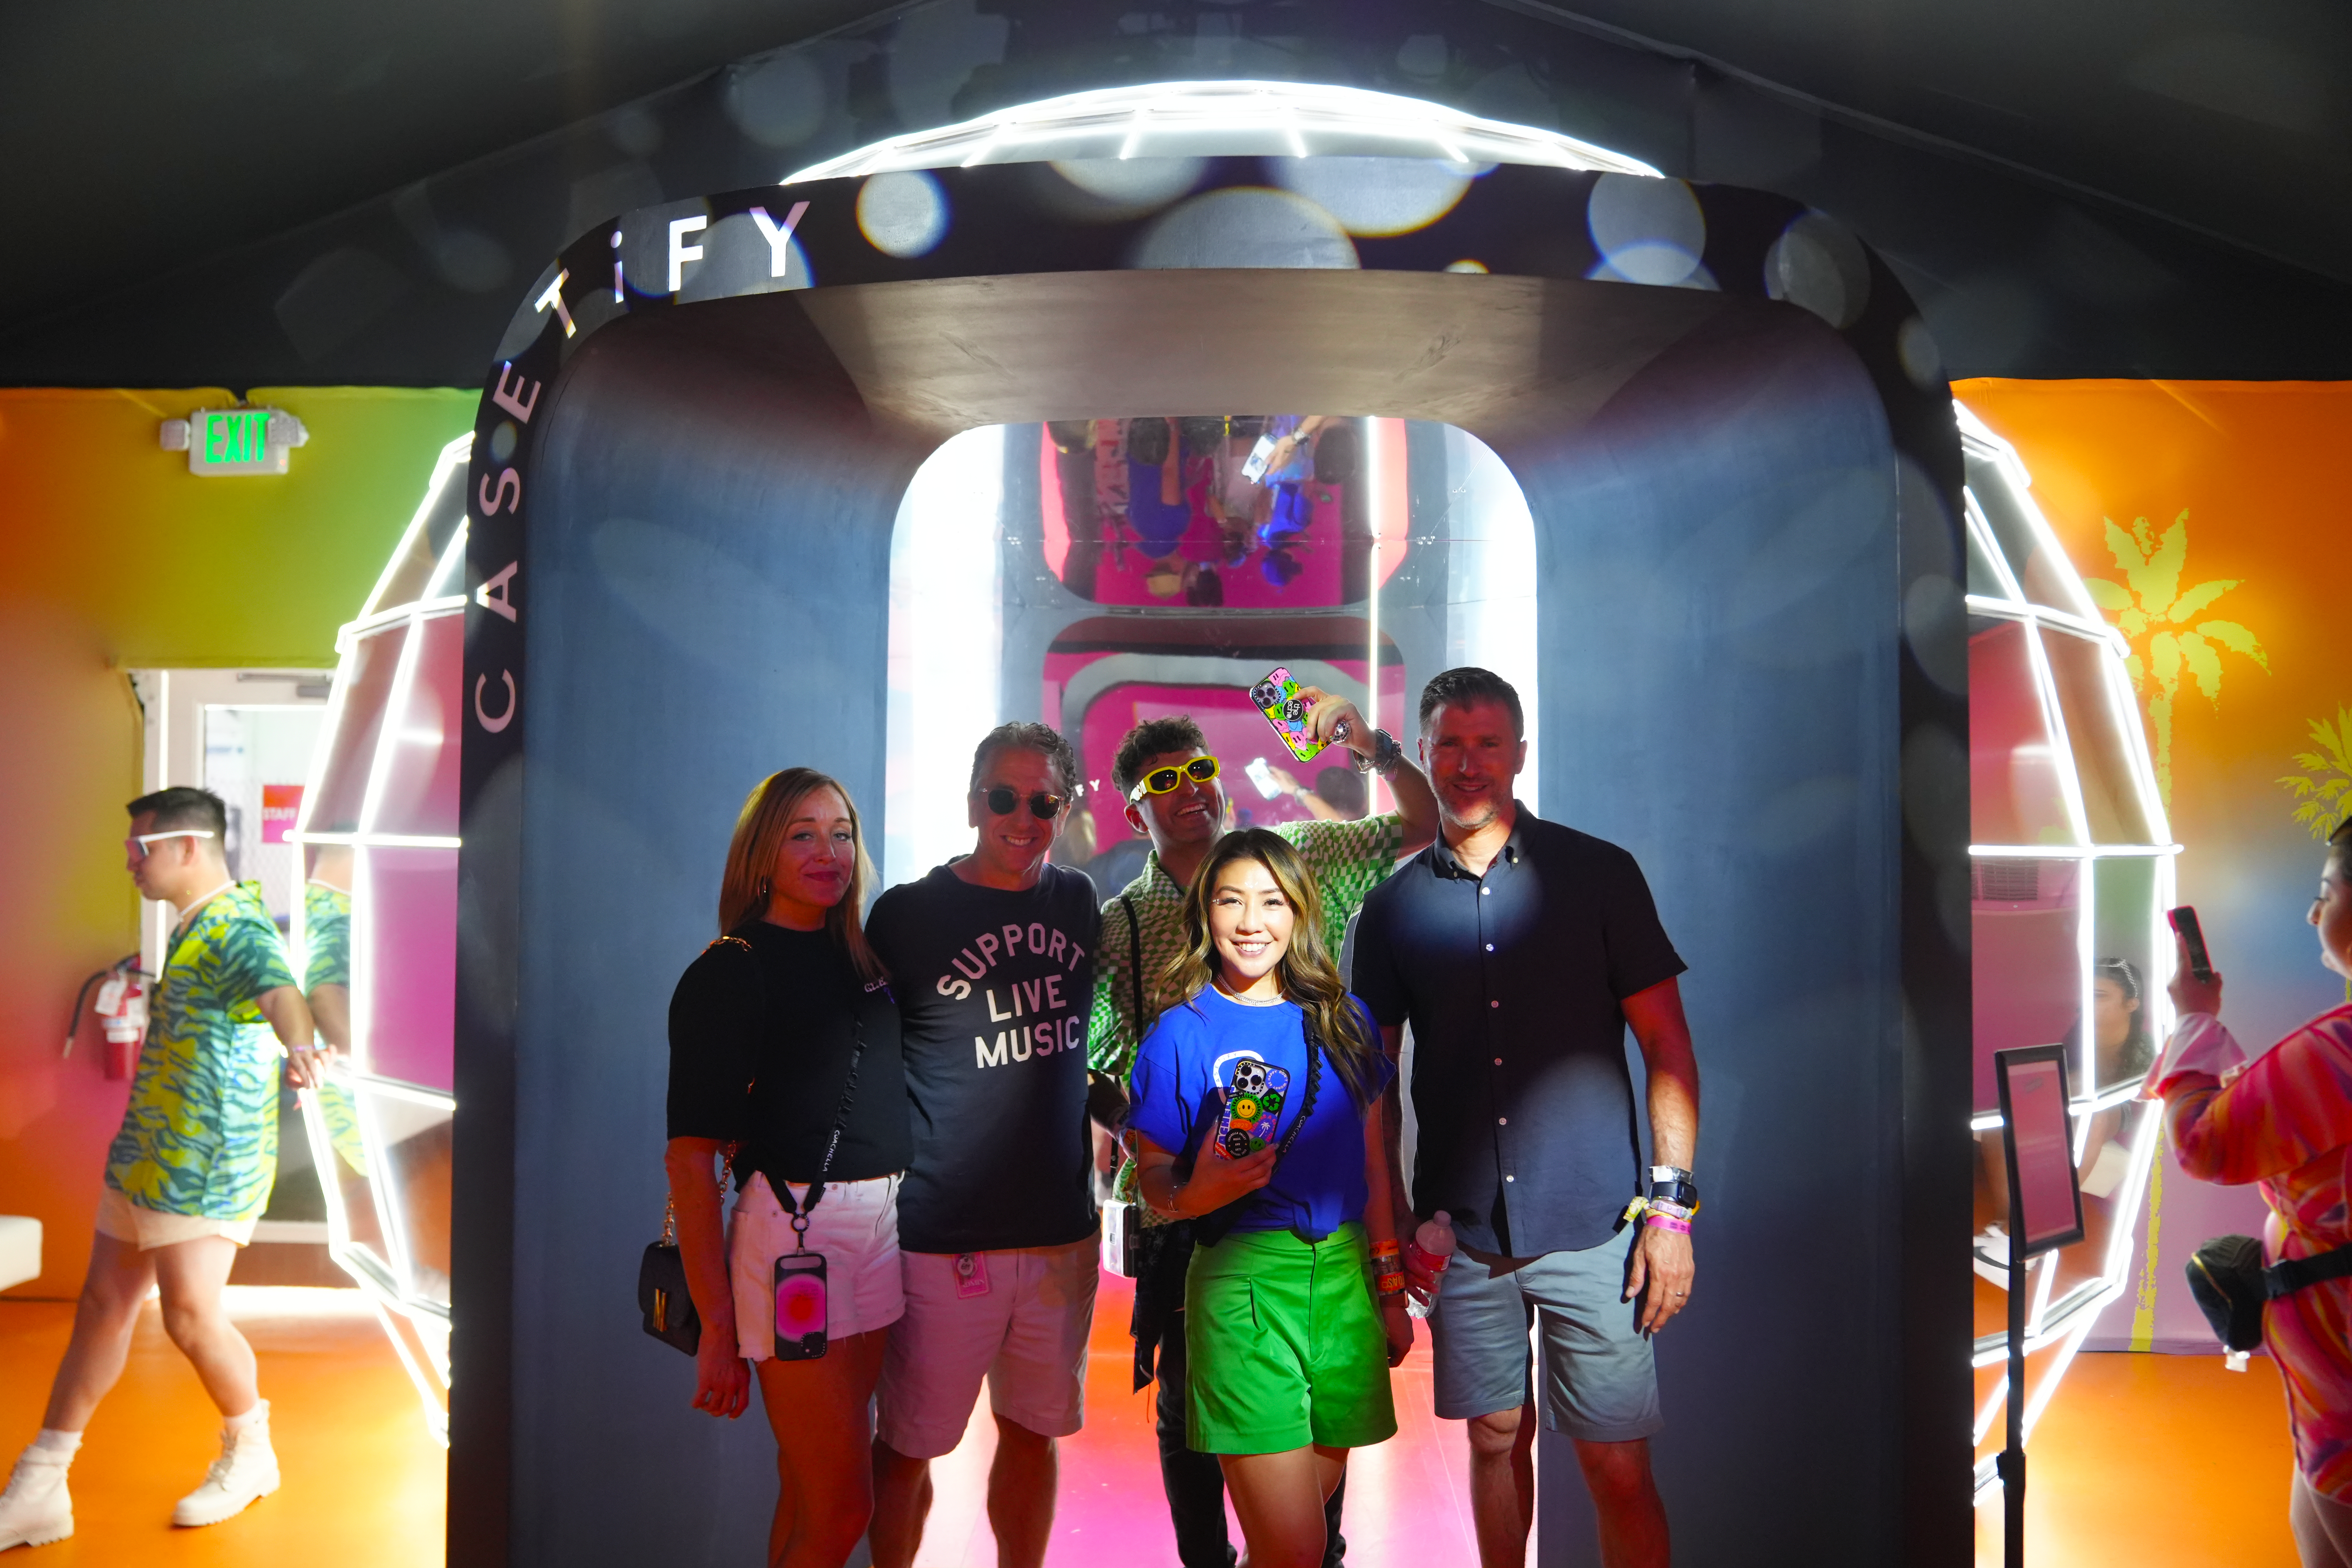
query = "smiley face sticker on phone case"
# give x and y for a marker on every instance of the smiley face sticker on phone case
(1278, 697)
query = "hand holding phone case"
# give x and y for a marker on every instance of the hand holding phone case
(1252, 1119)
(800, 1307)
(1278, 697)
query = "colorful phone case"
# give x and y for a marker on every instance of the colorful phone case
(1278, 697)
(800, 1307)
(1252, 1119)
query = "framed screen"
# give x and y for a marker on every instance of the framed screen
(2046, 1203)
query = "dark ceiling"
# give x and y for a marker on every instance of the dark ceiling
(273, 192)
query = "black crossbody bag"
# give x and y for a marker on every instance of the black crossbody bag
(2231, 1286)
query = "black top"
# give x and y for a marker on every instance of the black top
(993, 990)
(1512, 983)
(759, 1043)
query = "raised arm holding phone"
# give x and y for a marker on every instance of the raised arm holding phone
(2283, 1121)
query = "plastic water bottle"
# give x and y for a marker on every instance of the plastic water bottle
(1435, 1240)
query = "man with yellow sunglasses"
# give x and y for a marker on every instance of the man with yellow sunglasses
(1175, 795)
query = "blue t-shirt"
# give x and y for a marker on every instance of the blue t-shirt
(1181, 1071)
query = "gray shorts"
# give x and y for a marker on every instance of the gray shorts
(1601, 1381)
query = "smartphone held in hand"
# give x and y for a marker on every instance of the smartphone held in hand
(1278, 697)
(2192, 937)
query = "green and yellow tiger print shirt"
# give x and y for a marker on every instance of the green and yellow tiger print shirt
(200, 1136)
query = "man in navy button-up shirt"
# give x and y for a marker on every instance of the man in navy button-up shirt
(1520, 950)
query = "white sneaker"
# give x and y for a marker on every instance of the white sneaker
(245, 1472)
(36, 1509)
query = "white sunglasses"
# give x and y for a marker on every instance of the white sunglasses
(144, 839)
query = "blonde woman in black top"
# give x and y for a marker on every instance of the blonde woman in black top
(766, 1030)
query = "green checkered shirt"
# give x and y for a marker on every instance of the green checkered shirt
(1348, 859)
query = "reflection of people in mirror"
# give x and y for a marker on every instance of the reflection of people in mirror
(188, 1175)
(2284, 1121)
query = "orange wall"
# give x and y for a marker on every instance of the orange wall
(2260, 470)
(113, 556)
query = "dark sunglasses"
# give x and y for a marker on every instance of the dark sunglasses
(1159, 781)
(1004, 800)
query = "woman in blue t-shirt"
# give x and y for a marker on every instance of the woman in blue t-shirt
(1257, 1118)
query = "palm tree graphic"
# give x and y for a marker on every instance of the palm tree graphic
(2158, 618)
(2325, 785)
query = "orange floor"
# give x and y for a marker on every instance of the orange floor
(2159, 1461)
(364, 1483)
(2156, 1461)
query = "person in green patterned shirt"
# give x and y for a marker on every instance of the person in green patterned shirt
(1176, 796)
(189, 1173)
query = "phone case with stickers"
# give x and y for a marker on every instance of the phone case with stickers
(1252, 1119)
(1278, 697)
(800, 1307)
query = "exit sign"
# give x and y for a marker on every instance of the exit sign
(223, 441)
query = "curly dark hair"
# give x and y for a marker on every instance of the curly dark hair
(1468, 683)
(1153, 738)
(1043, 739)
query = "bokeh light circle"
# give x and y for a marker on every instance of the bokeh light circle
(1132, 186)
(903, 214)
(1245, 226)
(1376, 196)
(1647, 231)
(1817, 264)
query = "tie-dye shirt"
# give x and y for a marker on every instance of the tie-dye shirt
(200, 1136)
(2285, 1122)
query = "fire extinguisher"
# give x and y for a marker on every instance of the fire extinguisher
(121, 1009)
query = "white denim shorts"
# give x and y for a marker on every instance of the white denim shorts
(147, 1229)
(855, 1225)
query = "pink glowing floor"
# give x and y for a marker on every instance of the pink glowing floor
(1408, 1500)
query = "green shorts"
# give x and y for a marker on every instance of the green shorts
(1284, 1345)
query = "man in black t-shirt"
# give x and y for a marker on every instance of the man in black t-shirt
(1520, 950)
(992, 957)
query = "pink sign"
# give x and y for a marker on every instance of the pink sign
(281, 805)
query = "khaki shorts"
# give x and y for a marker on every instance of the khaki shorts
(854, 1226)
(147, 1229)
(1025, 1335)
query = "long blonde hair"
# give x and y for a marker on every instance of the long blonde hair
(760, 837)
(1309, 977)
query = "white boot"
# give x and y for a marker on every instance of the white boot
(245, 1471)
(34, 1510)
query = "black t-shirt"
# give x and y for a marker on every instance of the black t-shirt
(760, 1045)
(993, 990)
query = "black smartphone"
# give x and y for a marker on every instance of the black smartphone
(800, 1307)
(2192, 936)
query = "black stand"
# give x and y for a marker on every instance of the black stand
(2010, 1465)
(2033, 1080)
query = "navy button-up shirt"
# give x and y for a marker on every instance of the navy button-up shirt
(1512, 983)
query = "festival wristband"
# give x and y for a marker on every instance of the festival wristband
(1667, 1222)
(1390, 1284)
(1672, 1211)
(1385, 1250)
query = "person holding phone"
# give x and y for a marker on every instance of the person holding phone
(2284, 1122)
(1257, 1118)
(1174, 794)
(784, 1054)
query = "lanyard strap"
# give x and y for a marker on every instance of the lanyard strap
(802, 1210)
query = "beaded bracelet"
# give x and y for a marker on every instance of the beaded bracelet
(1668, 1222)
